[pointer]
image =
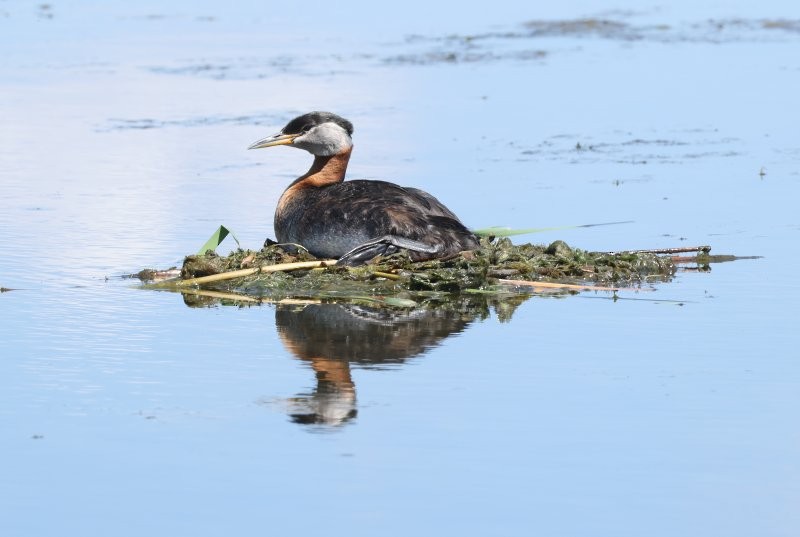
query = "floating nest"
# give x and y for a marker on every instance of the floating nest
(496, 265)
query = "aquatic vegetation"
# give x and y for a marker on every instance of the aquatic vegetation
(490, 268)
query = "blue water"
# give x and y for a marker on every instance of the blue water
(669, 412)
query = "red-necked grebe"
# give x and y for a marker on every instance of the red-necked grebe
(354, 221)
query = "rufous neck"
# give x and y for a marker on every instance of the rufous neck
(325, 170)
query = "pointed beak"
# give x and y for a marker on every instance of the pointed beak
(277, 139)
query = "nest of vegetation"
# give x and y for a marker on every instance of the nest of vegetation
(479, 270)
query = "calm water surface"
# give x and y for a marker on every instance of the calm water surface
(122, 146)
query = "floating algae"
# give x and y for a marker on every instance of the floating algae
(481, 270)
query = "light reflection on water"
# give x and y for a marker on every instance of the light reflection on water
(124, 412)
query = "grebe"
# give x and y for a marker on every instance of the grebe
(355, 221)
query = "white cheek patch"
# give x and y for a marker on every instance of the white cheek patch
(324, 140)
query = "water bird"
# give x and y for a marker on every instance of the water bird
(355, 220)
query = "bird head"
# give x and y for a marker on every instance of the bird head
(322, 134)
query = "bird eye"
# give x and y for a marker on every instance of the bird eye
(306, 128)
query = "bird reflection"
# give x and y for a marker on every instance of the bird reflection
(332, 336)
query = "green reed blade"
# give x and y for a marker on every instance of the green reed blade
(216, 239)
(501, 231)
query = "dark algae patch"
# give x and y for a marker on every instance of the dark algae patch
(489, 269)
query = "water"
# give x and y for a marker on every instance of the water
(122, 146)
